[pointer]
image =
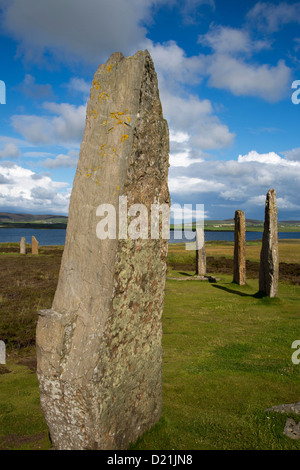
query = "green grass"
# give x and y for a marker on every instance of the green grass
(227, 357)
(22, 424)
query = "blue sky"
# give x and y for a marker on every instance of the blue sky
(225, 71)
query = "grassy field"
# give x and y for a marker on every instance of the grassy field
(227, 352)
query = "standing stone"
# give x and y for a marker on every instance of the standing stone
(2, 352)
(99, 348)
(34, 246)
(200, 253)
(239, 261)
(23, 246)
(269, 257)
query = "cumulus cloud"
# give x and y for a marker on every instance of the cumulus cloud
(226, 40)
(230, 66)
(271, 158)
(270, 18)
(239, 184)
(79, 85)
(10, 151)
(33, 90)
(62, 161)
(32, 194)
(243, 79)
(45, 26)
(293, 155)
(63, 124)
(192, 117)
(173, 65)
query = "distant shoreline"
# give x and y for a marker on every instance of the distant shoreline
(63, 226)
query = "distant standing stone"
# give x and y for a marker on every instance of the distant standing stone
(2, 352)
(99, 348)
(239, 263)
(200, 252)
(269, 257)
(34, 246)
(23, 246)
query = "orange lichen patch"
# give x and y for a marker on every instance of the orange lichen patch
(104, 122)
(96, 84)
(94, 114)
(103, 96)
(118, 189)
(124, 137)
(109, 130)
(118, 116)
(109, 67)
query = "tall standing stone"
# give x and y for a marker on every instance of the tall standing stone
(99, 348)
(239, 260)
(34, 246)
(200, 252)
(23, 246)
(269, 257)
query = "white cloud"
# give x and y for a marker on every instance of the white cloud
(67, 126)
(183, 159)
(10, 151)
(239, 184)
(270, 83)
(226, 40)
(62, 161)
(32, 89)
(270, 158)
(192, 117)
(229, 66)
(188, 185)
(173, 65)
(178, 137)
(79, 85)
(31, 193)
(270, 18)
(58, 26)
(293, 155)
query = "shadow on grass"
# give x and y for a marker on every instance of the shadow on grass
(257, 295)
(185, 274)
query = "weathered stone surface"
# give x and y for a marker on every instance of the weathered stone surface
(200, 252)
(239, 261)
(99, 352)
(292, 429)
(23, 246)
(269, 256)
(2, 352)
(34, 246)
(286, 408)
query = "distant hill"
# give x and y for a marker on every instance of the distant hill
(12, 217)
(21, 220)
(14, 220)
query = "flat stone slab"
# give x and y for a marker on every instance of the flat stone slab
(289, 408)
(195, 278)
(292, 429)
